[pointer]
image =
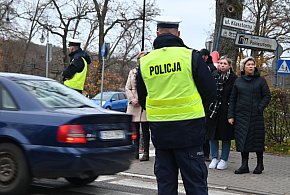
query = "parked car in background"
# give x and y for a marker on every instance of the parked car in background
(48, 130)
(112, 100)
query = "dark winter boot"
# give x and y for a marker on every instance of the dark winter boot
(260, 166)
(145, 156)
(244, 167)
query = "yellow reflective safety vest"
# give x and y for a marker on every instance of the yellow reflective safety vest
(171, 91)
(79, 78)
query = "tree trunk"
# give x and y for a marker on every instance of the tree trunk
(230, 9)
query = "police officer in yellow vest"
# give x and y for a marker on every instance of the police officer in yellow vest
(173, 84)
(74, 75)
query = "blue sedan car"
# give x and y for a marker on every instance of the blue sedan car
(49, 131)
(112, 100)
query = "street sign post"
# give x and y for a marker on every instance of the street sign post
(283, 67)
(256, 42)
(278, 51)
(230, 22)
(104, 51)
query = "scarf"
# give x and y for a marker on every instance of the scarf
(220, 80)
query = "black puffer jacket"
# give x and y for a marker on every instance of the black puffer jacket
(250, 96)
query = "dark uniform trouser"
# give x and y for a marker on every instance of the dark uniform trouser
(190, 162)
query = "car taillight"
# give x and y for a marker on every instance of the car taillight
(73, 134)
(134, 136)
(134, 130)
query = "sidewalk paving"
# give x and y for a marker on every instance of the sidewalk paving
(275, 179)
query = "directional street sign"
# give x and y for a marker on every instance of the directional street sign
(105, 49)
(240, 24)
(253, 41)
(278, 51)
(283, 67)
(231, 34)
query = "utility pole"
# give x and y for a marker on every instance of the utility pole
(143, 27)
(48, 52)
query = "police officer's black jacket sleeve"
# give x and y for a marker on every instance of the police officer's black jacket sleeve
(203, 79)
(141, 89)
(76, 65)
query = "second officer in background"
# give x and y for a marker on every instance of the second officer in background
(74, 76)
(171, 85)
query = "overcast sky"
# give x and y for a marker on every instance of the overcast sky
(198, 18)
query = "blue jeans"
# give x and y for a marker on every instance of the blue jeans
(214, 149)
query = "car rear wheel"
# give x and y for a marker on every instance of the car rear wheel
(14, 175)
(109, 108)
(79, 181)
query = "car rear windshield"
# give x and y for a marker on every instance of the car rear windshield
(106, 96)
(52, 94)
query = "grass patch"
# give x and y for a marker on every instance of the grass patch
(278, 149)
(273, 149)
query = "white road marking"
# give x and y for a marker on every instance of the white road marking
(141, 184)
(105, 178)
(99, 191)
(213, 190)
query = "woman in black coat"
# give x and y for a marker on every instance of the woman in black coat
(250, 96)
(217, 123)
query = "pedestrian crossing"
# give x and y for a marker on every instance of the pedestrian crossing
(148, 182)
(140, 184)
(144, 182)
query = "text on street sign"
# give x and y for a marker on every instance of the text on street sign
(238, 24)
(253, 41)
(231, 34)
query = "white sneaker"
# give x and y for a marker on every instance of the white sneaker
(213, 163)
(222, 165)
